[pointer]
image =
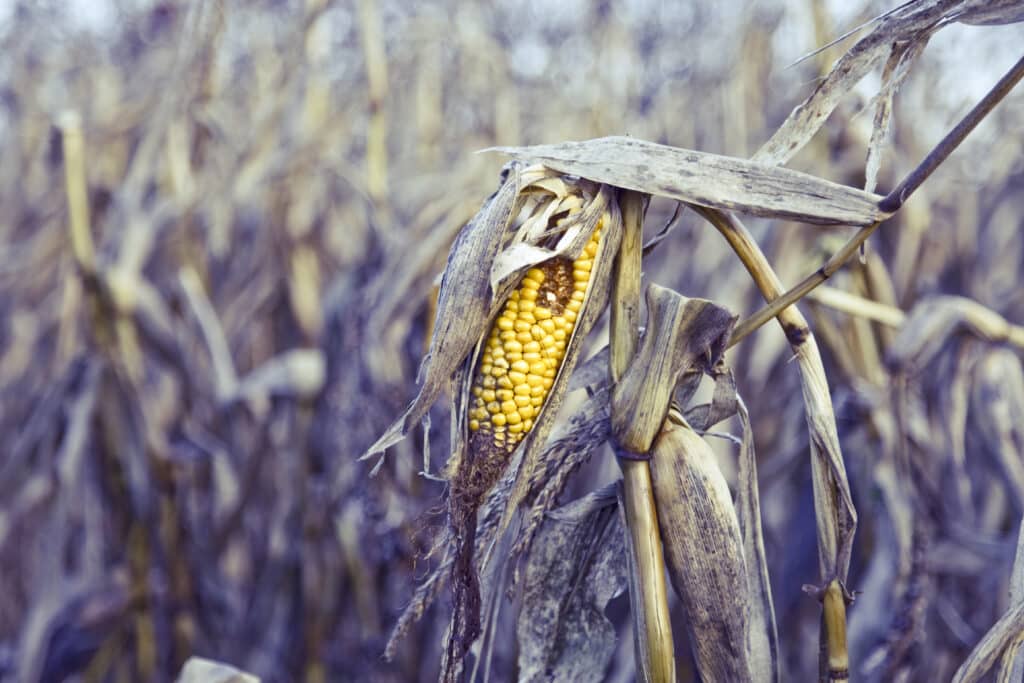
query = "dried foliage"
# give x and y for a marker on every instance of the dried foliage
(225, 224)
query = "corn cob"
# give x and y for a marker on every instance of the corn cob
(525, 349)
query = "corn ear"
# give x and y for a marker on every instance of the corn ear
(703, 551)
(556, 289)
(525, 350)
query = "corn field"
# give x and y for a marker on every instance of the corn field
(356, 340)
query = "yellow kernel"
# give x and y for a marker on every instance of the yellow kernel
(514, 296)
(547, 325)
(522, 326)
(513, 418)
(535, 380)
(559, 322)
(522, 401)
(548, 342)
(541, 313)
(559, 335)
(514, 356)
(527, 317)
(486, 368)
(573, 306)
(515, 428)
(535, 274)
(501, 363)
(529, 284)
(511, 307)
(531, 347)
(531, 357)
(526, 307)
(560, 347)
(552, 362)
(538, 400)
(570, 315)
(498, 353)
(537, 392)
(580, 275)
(488, 382)
(529, 295)
(538, 367)
(474, 425)
(523, 389)
(525, 412)
(511, 346)
(591, 249)
(498, 419)
(521, 366)
(508, 406)
(527, 424)
(549, 373)
(583, 264)
(524, 337)
(578, 296)
(504, 382)
(507, 336)
(487, 395)
(516, 377)
(505, 323)
(503, 394)
(548, 382)
(477, 391)
(537, 331)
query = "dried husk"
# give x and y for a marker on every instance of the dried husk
(463, 308)
(703, 551)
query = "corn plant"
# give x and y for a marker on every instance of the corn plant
(526, 280)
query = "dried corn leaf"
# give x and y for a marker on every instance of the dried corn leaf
(764, 636)
(912, 22)
(199, 670)
(707, 179)
(931, 322)
(991, 12)
(576, 567)
(1011, 668)
(997, 407)
(682, 335)
(897, 68)
(704, 552)
(836, 517)
(1006, 633)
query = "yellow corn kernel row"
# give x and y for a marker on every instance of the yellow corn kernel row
(526, 347)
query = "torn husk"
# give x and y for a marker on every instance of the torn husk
(682, 335)
(703, 550)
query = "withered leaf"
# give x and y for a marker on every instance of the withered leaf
(577, 565)
(707, 179)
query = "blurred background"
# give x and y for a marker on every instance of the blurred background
(272, 189)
